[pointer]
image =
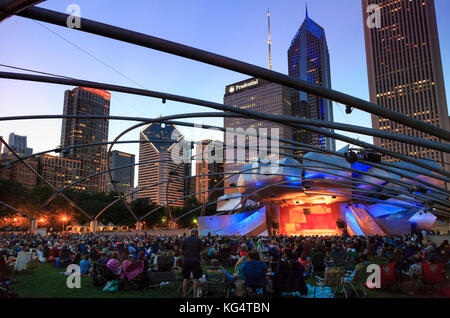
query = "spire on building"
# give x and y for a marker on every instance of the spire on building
(306, 5)
(268, 41)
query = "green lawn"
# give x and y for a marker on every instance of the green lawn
(47, 282)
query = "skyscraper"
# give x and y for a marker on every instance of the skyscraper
(261, 96)
(405, 70)
(76, 131)
(309, 60)
(152, 176)
(208, 174)
(19, 145)
(123, 178)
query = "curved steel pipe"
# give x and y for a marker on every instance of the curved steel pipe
(261, 116)
(170, 47)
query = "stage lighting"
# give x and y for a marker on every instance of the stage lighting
(421, 189)
(351, 157)
(372, 157)
(163, 100)
(306, 185)
(348, 110)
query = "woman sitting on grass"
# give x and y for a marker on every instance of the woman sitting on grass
(288, 277)
(131, 268)
(113, 272)
(254, 271)
(85, 265)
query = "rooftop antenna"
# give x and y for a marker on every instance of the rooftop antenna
(306, 5)
(268, 41)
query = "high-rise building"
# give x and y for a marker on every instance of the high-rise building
(261, 96)
(405, 70)
(160, 166)
(59, 171)
(76, 131)
(309, 60)
(19, 145)
(208, 174)
(123, 178)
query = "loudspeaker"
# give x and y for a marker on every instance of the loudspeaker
(372, 157)
(351, 157)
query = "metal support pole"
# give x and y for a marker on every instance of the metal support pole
(33, 226)
(93, 226)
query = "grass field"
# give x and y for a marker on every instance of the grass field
(47, 282)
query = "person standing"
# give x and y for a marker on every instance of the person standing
(191, 248)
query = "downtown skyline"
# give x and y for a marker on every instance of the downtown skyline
(45, 51)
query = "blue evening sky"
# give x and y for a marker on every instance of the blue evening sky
(235, 28)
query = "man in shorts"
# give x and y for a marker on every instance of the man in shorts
(191, 248)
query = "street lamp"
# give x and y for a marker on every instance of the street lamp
(64, 219)
(195, 221)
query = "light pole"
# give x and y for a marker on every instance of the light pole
(64, 223)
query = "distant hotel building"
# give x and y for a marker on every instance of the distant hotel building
(123, 178)
(17, 171)
(208, 174)
(405, 72)
(309, 60)
(261, 96)
(19, 145)
(152, 176)
(59, 171)
(75, 131)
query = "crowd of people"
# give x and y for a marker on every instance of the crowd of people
(247, 263)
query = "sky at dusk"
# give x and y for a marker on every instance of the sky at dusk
(234, 28)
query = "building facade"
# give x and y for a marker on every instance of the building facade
(260, 96)
(405, 71)
(75, 131)
(123, 178)
(160, 178)
(309, 60)
(208, 174)
(59, 172)
(19, 172)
